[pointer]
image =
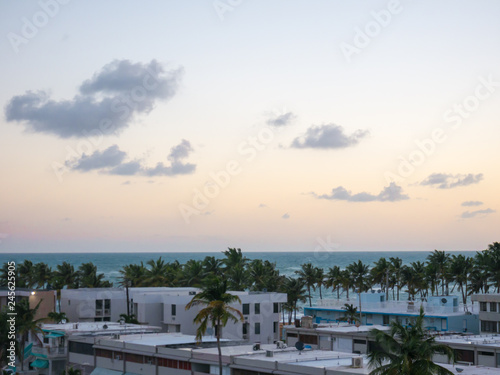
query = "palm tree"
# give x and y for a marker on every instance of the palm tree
(380, 273)
(212, 266)
(57, 317)
(264, 274)
(217, 311)
(395, 268)
(307, 274)
(359, 273)
(350, 313)
(156, 274)
(294, 288)
(320, 279)
(407, 350)
(89, 278)
(129, 319)
(26, 324)
(334, 279)
(441, 261)
(26, 274)
(43, 275)
(235, 269)
(192, 273)
(72, 371)
(493, 252)
(130, 276)
(460, 269)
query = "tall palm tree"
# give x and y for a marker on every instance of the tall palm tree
(192, 273)
(43, 275)
(89, 278)
(359, 273)
(481, 272)
(441, 262)
(460, 268)
(380, 274)
(235, 269)
(493, 252)
(295, 290)
(26, 274)
(216, 311)
(395, 268)
(407, 350)
(26, 324)
(307, 274)
(333, 279)
(156, 274)
(212, 266)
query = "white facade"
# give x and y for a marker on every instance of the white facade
(166, 307)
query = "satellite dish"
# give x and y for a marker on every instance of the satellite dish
(105, 326)
(299, 345)
(444, 300)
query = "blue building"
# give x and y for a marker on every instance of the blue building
(442, 313)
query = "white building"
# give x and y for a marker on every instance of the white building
(166, 307)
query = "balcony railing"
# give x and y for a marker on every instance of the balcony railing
(51, 351)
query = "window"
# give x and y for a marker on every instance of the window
(385, 319)
(257, 328)
(358, 341)
(275, 327)
(487, 326)
(149, 360)
(174, 310)
(493, 306)
(482, 306)
(309, 339)
(136, 358)
(276, 307)
(106, 319)
(98, 304)
(290, 334)
(257, 308)
(80, 348)
(107, 304)
(245, 328)
(489, 354)
(246, 308)
(464, 355)
(103, 353)
(69, 302)
(46, 340)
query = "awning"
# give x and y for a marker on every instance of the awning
(27, 350)
(105, 371)
(40, 363)
(54, 335)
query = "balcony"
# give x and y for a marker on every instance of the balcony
(51, 352)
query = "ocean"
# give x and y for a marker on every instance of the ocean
(286, 262)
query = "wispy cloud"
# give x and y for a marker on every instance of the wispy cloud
(391, 193)
(262, 205)
(472, 203)
(471, 214)
(329, 136)
(111, 161)
(286, 216)
(450, 181)
(283, 119)
(109, 100)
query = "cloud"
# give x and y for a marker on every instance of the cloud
(449, 181)
(111, 161)
(286, 216)
(126, 182)
(262, 205)
(327, 137)
(391, 193)
(110, 157)
(106, 103)
(471, 214)
(282, 119)
(472, 203)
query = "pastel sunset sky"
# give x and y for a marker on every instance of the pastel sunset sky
(269, 125)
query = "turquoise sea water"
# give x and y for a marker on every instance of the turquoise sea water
(286, 262)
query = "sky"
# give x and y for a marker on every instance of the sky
(268, 125)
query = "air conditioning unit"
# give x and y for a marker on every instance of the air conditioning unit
(357, 362)
(280, 345)
(256, 346)
(269, 353)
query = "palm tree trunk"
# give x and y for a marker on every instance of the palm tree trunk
(309, 292)
(218, 346)
(338, 292)
(360, 313)
(320, 295)
(128, 300)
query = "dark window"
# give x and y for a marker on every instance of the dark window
(136, 358)
(482, 306)
(290, 334)
(358, 341)
(487, 326)
(103, 353)
(257, 308)
(309, 339)
(276, 307)
(45, 340)
(98, 304)
(489, 354)
(107, 304)
(245, 328)
(106, 319)
(385, 319)
(149, 360)
(275, 327)
(174, 310)
(493, 306)
(246, 308)
(257, 328)
(81, 348)
(464, 355)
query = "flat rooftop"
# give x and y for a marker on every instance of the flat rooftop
(162, 339)
(99, 327)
